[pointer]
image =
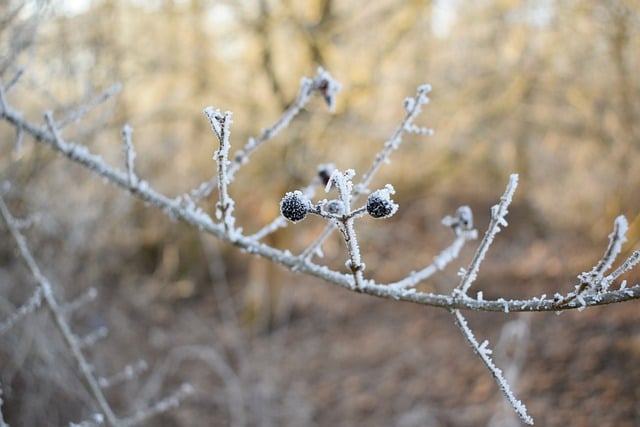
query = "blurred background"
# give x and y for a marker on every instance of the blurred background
(546, 89)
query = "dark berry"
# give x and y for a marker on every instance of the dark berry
(380, 205)
(294, 206)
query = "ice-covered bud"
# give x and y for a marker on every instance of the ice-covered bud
(465, 217)
(462, 221)
(335, 207)
(324, 172)
(380, 205)
(294, 206)
(327, 87)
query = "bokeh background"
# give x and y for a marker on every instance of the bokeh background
(548, 89)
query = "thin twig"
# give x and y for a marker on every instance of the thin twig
(163, 405)
(84, 298)
(86, 108)
(130, 154)
(129, 372)
(28, 307)
(440, 261)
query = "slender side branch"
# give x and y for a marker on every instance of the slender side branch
(498, 213)
(220, 124)
(84, 298)
(129, 372)
(14, 80)
(484, 353)
(594, 281)
(58, 315)
(440, 261)
(169, 402)
(130, 154)
(76, 115)
(27, 308)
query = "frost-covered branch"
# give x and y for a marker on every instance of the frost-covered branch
(25, 309)
(221, 126)
(86, 108)
(76, 345)
(484, 353)
(180, 209)
(57, 313)
(163, 405)
(127, 373)
(130, 154)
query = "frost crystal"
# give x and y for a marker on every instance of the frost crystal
(294, 206)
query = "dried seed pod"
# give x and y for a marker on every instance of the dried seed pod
(294, 206)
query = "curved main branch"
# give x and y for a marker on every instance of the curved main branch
(176, 208)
